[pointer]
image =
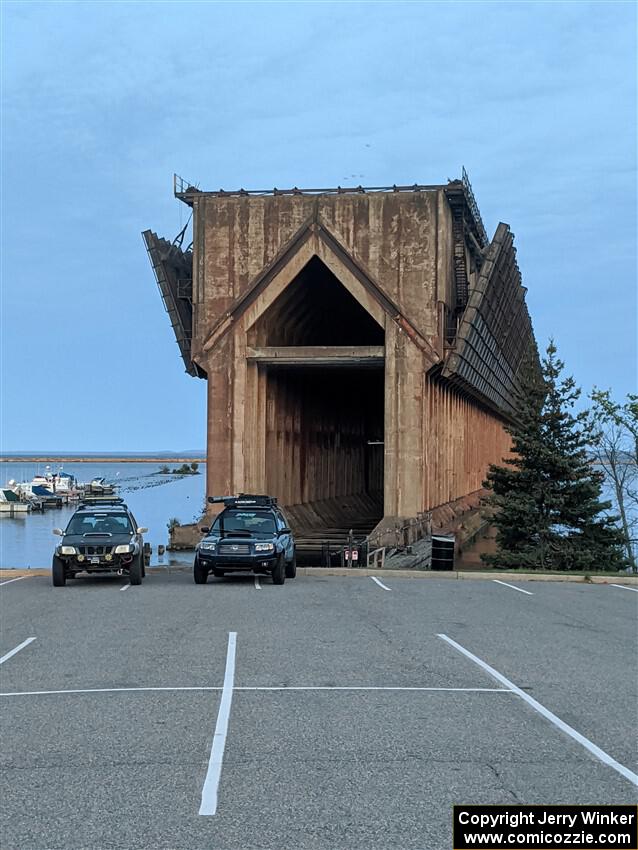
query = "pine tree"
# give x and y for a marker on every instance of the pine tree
(548, 510)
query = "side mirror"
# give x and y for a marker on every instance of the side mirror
(142, 530)
(59, 532)
(284, 531)
(204, 530)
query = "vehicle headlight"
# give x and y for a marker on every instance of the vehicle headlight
(80, 557)
(108, 557)
(264, 547)
(125, 549)
(68, 550)
(207, 546)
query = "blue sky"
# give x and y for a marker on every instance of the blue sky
(102, 102)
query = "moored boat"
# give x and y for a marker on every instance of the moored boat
(10, 502)
(99, 487)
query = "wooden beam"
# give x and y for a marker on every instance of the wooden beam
(318, 355)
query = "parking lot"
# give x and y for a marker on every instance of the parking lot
(331, 713)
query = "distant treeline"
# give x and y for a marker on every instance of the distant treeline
(184, 469)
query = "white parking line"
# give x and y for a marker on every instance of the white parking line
(100, 691)
(520, 589)
(368, 688)
(208, 804)
(380, 583)
(17, 649)
(124, 587)
(13, 579)
(545, 712)
(257, 585)
(621, 586)
(250, 688)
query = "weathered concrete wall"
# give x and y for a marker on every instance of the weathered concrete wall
(373, 270)
(393, 236)
(460, 440)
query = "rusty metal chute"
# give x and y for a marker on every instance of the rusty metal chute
(173, 268)
(470, 243)
(495, 333)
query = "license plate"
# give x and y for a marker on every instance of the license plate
(95, 560)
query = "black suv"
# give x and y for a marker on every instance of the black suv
(250, 535)
(100, 538)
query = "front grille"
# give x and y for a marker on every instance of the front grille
(234, 549)
(95, 550)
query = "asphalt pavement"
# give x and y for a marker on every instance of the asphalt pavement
(327, 714)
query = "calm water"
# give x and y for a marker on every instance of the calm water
(27, 541)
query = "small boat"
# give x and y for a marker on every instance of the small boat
(61, 482)
(10, 503)
(99, 487)
(49, 499)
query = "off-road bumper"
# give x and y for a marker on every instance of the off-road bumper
(97, 563)
(258, 562)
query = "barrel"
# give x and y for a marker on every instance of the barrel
(442, 552)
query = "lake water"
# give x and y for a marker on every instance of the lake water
(26, 540)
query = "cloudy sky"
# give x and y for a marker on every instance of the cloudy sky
(103, 101)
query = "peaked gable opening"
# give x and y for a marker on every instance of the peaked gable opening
(316, 309)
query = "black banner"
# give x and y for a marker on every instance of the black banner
(545, 827)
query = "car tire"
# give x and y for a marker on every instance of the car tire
(291, 568)
(279, 573)
(57, 572)
(135, 570)
(200, 572)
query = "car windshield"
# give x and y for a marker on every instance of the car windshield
(100, 523)
(254, 523)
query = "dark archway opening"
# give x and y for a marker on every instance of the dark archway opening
(324, 452)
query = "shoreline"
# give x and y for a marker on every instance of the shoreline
(67, 459)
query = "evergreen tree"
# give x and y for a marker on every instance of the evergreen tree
(548, 510)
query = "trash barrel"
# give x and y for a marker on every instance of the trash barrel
(442, 552)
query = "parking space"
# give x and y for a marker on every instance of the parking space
(348, 723)
(103, 770)
(395, 761)
(572, 646)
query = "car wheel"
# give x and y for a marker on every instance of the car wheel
(279, 573)
(200, 572)
(57, 572)
(291, 568)
(135, 570)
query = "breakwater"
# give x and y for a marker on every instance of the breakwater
(97, 459)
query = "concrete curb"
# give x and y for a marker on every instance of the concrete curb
(389, 574)
(458, 575)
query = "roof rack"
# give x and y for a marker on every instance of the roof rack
(102, 500)
(244, 500)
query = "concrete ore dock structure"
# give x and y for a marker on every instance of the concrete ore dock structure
(362, 347)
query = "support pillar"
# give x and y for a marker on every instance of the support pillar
(404, 426)
(219, 450)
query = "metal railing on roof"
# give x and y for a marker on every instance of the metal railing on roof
(467, 186)
(183, 187)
